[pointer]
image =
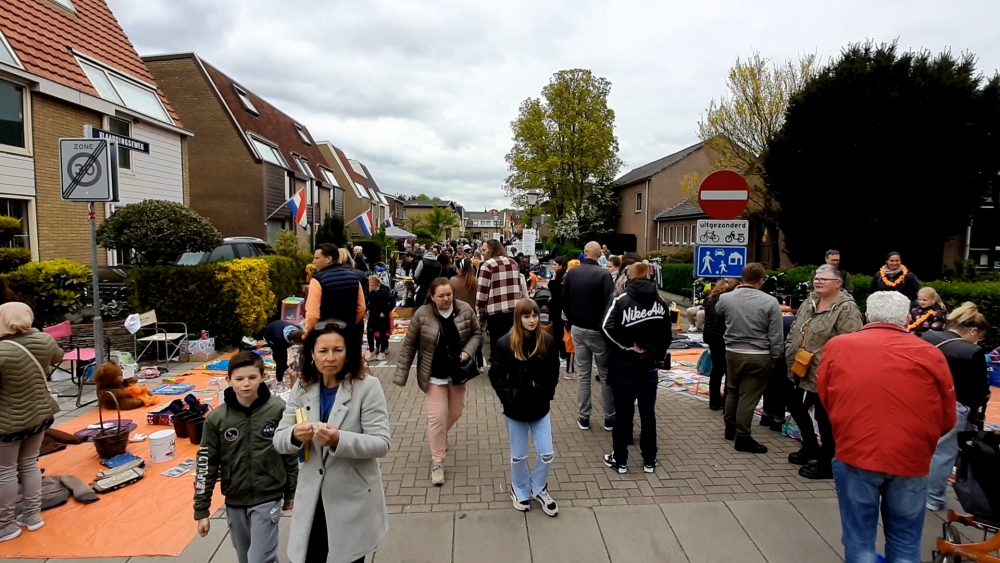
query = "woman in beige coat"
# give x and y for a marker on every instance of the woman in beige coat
(26, 411)
(340, 513)
(445, 332)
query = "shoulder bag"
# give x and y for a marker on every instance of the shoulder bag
(803, 358)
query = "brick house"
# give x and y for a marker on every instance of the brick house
(652, 189)
(396, 210)
(419, 207)
(483, 225)
(361, 192)
(65, 64)
(247, 156)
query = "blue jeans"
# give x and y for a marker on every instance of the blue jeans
(526, 485)
(862, 496)
(944, 460)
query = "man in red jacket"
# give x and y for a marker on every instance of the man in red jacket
(890, 397)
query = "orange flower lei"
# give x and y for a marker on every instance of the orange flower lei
(899, 280)
(920, 320)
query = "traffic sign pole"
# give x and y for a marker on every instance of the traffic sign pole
(98, 321)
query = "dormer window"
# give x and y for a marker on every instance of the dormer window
(303, 165)
(125, 91)
(245, 100)
(302, 134)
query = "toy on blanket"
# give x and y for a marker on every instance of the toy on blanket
(129, 395)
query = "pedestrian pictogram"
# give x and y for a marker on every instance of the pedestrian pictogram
(719, 261)
(723, 195)
(88, 170)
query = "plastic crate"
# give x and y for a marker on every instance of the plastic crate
(993, 373)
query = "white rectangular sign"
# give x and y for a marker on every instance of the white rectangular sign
(711, 232)
(528, 242)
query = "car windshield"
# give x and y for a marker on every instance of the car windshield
(191, 258)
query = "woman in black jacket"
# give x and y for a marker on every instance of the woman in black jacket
(715, 330)
(381, 302)
(895, 277)
(555, 305)
(524, 374)
(967, 362)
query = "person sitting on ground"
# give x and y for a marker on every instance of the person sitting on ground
(929, 314)
(381, 303)
(967, 364)
(827, 313)
(754, 344)
(890, 398)
(280, 336)
(637, 326)
(27, 409)
(524, 374)
(258, 482)
(895, 277)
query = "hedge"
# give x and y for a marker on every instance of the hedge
(677, 278)
(53, 288)
(285, 278)
(986, 296)
(13, 258)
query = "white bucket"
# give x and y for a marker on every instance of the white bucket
(162, 446)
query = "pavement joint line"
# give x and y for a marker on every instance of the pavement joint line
(745, 532)
(806, 520)
(659, 506)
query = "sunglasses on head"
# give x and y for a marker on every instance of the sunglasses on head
(335, 323)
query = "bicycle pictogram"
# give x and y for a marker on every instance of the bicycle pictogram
(708, 236)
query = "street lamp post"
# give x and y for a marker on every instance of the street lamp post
(530, 199)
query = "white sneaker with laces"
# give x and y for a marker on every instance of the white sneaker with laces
(549, 505)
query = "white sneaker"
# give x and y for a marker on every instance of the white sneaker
(521, 506)
(549, 505)
(437, 474)
(32, 523)
(380, 357)
(9, 533)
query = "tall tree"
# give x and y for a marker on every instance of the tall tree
(565, 148)
(885, 151)
(435, 223)
(737, 127)
(332, 230)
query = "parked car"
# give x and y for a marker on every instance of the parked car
(230, 249)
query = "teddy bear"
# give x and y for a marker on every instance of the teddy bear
(129, 395)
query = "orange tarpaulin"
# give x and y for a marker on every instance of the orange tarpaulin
(152, 517)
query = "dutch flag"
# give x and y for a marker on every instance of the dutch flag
(389, 222)
(366, 223)
(298, 206)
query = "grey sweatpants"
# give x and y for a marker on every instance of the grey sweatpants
(590, 347)
(254, 531)
(19, 459)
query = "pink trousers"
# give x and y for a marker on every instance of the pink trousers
(444, 408)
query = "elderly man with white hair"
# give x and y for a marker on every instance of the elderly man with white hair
(889, 397)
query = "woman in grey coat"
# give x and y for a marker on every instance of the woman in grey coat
(337, 422)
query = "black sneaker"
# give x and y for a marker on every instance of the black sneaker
(609, 424)
(649, 467)
(730, 431)
(583, 423)
(820, 470)
(609, 460)
(749, 445)
(522, 506)
(801, 457)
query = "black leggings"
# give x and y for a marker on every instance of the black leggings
(717, 348)
(798, 405)
(319, 549)
(383, 339)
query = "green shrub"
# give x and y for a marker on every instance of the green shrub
(247, 279)
(287, 244)
(188, 294)
(570, 252)
(53, 288)
(677, 278)
(13, 258)
(158, 231)
(862, 289)
(285, 277)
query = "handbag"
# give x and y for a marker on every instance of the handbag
(466, 371)
(803, 358)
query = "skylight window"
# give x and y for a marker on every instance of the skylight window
(329, 177)
(302, 134)
(6, 53)
(123, 91)
(245, 100)
(68, 4)
(268, 153)
(303, 165)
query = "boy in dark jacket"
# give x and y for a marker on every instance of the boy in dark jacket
(381, 302)
(280, 336)
(237, 445)
(637, 325)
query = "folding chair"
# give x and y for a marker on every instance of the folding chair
(80, 359)
(172, 341)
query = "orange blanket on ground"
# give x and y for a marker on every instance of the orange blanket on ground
(152, 517)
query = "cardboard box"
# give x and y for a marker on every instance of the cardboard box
(403, 312)
(198, 350)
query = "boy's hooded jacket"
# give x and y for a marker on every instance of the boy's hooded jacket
(638, 317)
(237, 446)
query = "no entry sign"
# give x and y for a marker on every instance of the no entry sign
(723, 195)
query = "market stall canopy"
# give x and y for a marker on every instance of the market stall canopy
(397, 233)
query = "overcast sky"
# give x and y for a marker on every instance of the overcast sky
(423, 92)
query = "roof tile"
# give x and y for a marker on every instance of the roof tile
(43, 37)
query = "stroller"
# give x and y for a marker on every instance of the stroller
(978, 491)
(542, 297)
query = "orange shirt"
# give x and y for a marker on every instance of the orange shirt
(315, 296)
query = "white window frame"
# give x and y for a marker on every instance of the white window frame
(302, 134)
(638, 202)
(404, 214)
(277, 151)
(670, 235)
(329, 177)
(131, 159)
(245, 101)
(694, 228)
(26, 113)
(303, 165)
(684, 238)
(4, 44)
(115, 74)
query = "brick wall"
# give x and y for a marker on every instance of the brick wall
(63, 228)
(225, 182)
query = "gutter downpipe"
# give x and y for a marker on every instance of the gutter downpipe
(646, 215)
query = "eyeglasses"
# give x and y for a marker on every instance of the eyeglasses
(824, 280)
(336, 323)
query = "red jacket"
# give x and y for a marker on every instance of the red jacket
(890, 397)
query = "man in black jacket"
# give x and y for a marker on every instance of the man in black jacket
(587, 290)
(637, 325)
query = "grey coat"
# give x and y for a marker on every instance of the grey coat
(422, 337)
(346, 476)
(25, 402)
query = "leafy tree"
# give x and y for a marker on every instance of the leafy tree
(332, 230)
(287, 244)
(384, 242)
(425, 197)
(434, 224)
(885, 151)
(565, 148)
(157, 232)
(12, 256)
(738, 126)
